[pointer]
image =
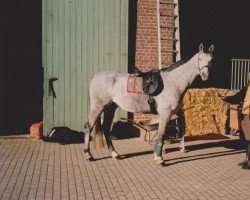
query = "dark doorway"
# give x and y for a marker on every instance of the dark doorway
(132, 26)
(225, 24)
(132, 34)
(21, 77)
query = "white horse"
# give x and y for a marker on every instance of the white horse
(108, 90)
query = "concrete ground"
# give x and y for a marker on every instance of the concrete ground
(31, 169)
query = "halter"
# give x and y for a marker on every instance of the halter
(200, 69)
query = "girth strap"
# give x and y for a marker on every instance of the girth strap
(152, 105)
(152, 82)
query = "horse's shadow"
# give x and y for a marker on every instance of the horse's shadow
(235, 146)
(201, 157)
(125, 156)
(229, 144)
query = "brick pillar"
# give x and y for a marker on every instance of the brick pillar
(147, 41)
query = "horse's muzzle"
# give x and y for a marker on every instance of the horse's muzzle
(204, 73)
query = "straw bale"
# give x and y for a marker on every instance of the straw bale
(204, 111)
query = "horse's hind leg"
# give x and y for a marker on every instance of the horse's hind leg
(109, 113)
(88, 127)
(87, 131)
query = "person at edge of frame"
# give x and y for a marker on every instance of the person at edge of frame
(243, 99)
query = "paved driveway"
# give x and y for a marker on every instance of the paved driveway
(33, 169)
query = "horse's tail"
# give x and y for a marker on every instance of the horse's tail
(98, 134)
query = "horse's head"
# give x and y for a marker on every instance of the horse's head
(204, 61)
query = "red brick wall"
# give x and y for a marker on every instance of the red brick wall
(147, 41)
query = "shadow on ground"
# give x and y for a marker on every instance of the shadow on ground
(234, 146)
(229, 144)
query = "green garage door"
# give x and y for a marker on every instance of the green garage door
(80, 38)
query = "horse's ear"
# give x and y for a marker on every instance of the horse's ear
(201, 47)
(211, 48)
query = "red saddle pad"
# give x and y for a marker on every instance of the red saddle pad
(134, 84)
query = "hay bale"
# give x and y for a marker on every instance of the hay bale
(204, 111)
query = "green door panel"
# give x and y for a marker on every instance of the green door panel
(80, 38)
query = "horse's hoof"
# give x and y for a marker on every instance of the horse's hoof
(115, 155)
(245, 166)
(162, 164)
(159, 160)
(183, 150)
(88, 158)
(242, 163)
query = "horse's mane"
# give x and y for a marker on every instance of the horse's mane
(174, 66)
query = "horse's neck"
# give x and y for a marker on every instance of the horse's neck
(185, 75)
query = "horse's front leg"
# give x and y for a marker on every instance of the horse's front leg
(164, 119)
